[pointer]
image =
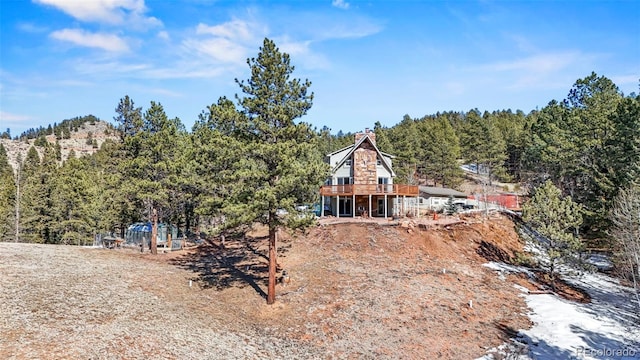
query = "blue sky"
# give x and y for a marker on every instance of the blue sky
(368, 61)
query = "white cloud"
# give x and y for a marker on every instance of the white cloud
(626, 79)
(301, 52)
(218, 49)
(163, 35)
(521, 42)
(229, 42)
(192, 70)
(13, 118)
(341, 4)
(543, 63)
(108, 42)
(235, 29)
(107, 68)
(165, 92)
(106, 11)
(551, 70)
(32, 28)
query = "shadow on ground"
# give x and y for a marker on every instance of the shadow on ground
(522, 344)
(238, 263)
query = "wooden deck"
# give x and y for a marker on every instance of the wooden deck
(375, 189)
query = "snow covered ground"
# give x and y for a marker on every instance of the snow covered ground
(606, 328)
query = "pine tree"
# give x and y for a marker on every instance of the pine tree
(7, 198)
(35, 201)
(277, 163)
(441, 151)
(557, 219)
(450, 207)
(624, 144)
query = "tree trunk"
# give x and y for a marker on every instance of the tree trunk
(552, 274)
(17, 239)
(154, 233)
(271, 292)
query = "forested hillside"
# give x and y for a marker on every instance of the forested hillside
(587, 144)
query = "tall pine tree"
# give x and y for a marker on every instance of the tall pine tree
(279, 166)
(7, 198)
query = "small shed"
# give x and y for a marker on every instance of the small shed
(138, 232)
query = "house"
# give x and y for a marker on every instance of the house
(435, 198)
(361, 182)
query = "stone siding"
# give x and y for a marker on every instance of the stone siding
(365, 170)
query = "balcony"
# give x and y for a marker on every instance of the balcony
(373, 189)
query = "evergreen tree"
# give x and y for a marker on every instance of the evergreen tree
(382, 138)
(7, 198)
(35, 200)
(450, 207)
(558, 219)
(159, 162)
(69, 200)
(406, 140)
(471, 138)
(441, 151)
(278, 165)
(624, 144)
(576, 145)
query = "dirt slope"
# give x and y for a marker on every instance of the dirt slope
(357, 291)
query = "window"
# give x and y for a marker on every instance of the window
(344, 180)
(378, 161)
(347, 162)
(383, 180)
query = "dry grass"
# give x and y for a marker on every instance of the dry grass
(357, 291)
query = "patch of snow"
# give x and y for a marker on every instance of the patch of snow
(600, 261)
(510, 269)
(606, 328)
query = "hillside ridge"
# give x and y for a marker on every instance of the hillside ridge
(79, 141)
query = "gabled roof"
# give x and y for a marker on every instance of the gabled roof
(355, 146)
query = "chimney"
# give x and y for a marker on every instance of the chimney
(367, 132)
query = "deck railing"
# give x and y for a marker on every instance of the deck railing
(373, 189)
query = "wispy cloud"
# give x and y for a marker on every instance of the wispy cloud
(522, 43)
(545, 70)
(341, 4)
(163, 35)
(108, 42)
(108, 68)
(165, 92)
(32, 28)
(217, 49)
(302, 52)
(13, 118)
(541, 63)
(116, 12)
(235, 29)
(226, 43)
(626, 80)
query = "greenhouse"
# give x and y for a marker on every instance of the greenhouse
(138, 232)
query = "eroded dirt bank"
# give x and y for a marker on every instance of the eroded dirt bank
(356, 291)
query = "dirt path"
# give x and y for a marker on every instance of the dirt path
(357, 291)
